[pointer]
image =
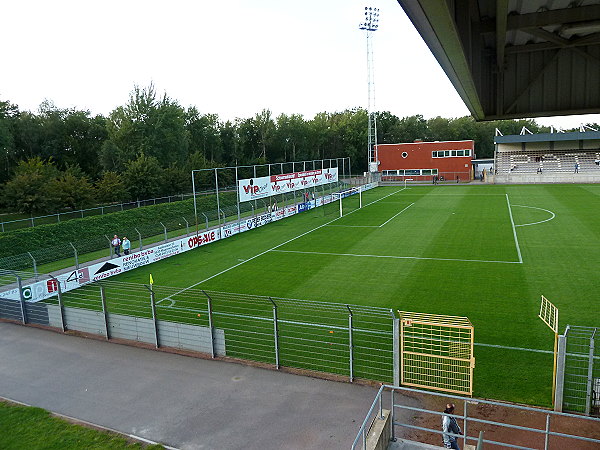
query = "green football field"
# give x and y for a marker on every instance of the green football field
(484, 252)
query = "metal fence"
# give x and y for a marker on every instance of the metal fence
(33, 221)
(346, 340)
(578, 371)
(77, 252)
(520, 427)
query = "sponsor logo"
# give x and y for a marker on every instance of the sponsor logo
(106, 267)
(52, 286)
(82, 276)
(107, 273)
(255, 190)
(201, 239)
(138, 255)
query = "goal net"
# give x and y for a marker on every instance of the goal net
(346, 201)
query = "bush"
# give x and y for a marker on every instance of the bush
(93, 228)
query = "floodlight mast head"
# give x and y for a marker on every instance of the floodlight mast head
(371, 22)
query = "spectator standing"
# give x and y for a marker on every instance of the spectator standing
(449, 425)
(116, 243)
(576, 167)
(126, 245)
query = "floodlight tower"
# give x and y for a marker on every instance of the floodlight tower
(370, 25)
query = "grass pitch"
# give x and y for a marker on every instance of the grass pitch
(484, 252)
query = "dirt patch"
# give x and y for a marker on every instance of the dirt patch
(534, 419)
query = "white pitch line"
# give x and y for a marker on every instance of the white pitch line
(504, 347)
(514, 230)
(396, 257)
(356, 226)
(536, 223)
(395, 215)
(277, 246)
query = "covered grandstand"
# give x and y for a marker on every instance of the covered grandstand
(547, 158)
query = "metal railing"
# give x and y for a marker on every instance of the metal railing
(474, 426)
(349, 341)
(81, 213)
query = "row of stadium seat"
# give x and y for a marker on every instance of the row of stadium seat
(548, 161)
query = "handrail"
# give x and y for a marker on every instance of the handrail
(547, 432)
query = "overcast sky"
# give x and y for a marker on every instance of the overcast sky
(229, 57)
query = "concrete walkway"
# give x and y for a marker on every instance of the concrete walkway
(179, 401)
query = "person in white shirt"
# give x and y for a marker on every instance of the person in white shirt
(116, 243)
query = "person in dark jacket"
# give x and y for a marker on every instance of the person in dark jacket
(449, 425)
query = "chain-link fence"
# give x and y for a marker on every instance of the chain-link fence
(341, 339)
(58, 217)
(579, 370)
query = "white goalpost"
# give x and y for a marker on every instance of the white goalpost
(347, 193)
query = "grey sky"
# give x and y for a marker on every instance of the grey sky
(230, 57)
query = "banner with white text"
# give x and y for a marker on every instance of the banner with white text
(262, 187)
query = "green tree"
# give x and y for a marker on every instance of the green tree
(111, 188)
(204, 134)
(266, 129)
(176, 180)
(29, 189)
(147, 125)
(73, 189)
(8, 116)
(143, 177)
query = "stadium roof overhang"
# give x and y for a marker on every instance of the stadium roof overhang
(514, 58)
(548, 137)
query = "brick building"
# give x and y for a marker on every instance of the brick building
(421, 161)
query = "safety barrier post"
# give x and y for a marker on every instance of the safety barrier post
(153, 306)
(393, 437)
(560, 371)
(187, 227)
(210, 324)
(465, 433)
(206, 219)
(60, 303)
(590, 376)
(35, 272)
(164, 228)
(22, 299)
(350, 346)
(396, 347)
(104, 311)
(110, 247)
(75, 254)
(275, 333)
(139, 237)
(547, 436)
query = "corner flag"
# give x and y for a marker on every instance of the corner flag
(151, 280)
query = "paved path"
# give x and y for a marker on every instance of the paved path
(180, 401)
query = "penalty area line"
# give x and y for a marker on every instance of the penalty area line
(396, 215)
(397, 257)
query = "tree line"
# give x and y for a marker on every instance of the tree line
(67, 158)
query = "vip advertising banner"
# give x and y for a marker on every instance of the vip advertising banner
(261, 187)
